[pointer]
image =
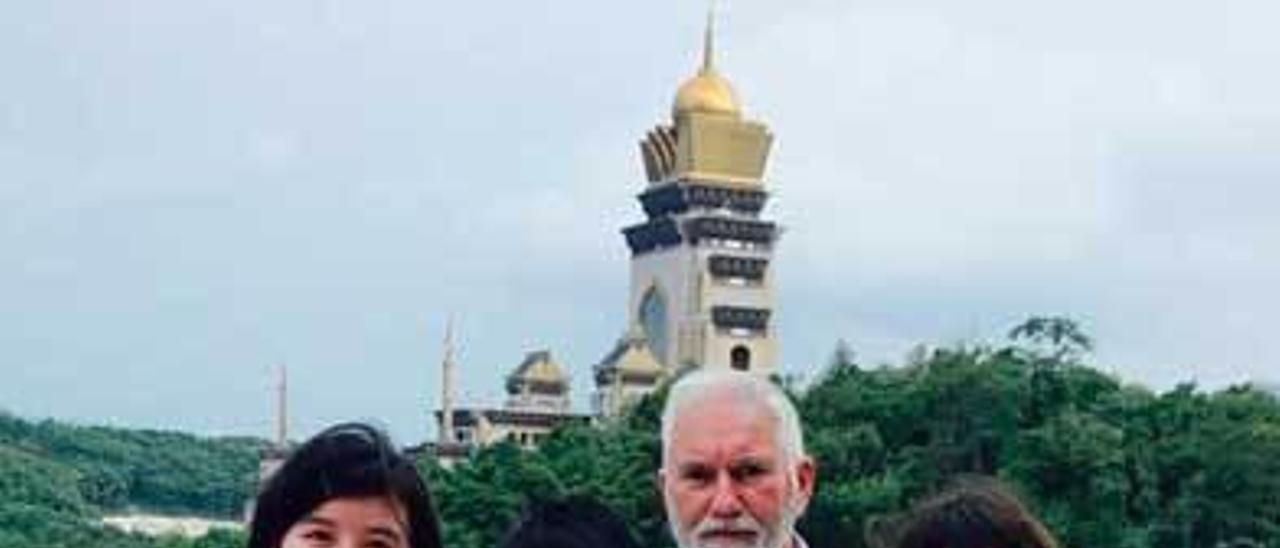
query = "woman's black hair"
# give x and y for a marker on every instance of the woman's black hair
(574, 522)
(346, 460)
(974, 512)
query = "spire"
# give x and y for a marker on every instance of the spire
(282, 408)
(707, 91)
(708, 41)
(274, 455)
(446, 386)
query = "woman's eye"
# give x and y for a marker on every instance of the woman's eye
(318, 535)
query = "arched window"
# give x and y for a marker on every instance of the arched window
(740, 358)
(653, 318)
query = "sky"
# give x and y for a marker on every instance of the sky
(192, 193)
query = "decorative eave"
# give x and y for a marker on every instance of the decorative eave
(729, 266)
(512, 417)
(654, 234)
(697, 229)
(666, 231)
(681, 196)
(740, 317)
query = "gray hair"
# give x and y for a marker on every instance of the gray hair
(745, 388)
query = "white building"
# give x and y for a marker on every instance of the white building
(537, 403)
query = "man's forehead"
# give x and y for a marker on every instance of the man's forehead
(721, 425)
(724, 405)
(723, 456)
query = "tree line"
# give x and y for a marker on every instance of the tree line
(57, 480)
(1104, 463)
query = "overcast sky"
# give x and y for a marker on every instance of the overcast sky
(192, 192)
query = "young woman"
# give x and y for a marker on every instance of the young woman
(346, 487)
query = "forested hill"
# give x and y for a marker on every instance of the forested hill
(1106, 464)
(114, 468)
(57, 479)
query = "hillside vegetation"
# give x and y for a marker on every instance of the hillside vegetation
(56, 480)
(1104, 463)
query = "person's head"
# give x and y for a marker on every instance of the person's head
(975, 512)
(734, 470)
(575, 522)
(347, 486)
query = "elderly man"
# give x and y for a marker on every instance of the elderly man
(734, 471)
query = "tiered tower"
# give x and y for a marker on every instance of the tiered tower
(701, 276)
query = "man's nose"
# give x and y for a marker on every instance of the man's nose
(725, 503)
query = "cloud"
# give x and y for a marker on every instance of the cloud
(191, 194)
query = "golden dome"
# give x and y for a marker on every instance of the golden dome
(707, 93)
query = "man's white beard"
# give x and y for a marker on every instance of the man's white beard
(765, 537)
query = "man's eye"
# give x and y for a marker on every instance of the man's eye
(698, 475)
(748, 471)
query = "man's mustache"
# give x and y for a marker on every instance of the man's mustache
(743, 527)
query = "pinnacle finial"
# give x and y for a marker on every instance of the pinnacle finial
(708, 40)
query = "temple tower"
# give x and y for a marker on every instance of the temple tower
(701, 262)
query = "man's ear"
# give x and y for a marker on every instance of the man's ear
(806, 476)
(660, 480)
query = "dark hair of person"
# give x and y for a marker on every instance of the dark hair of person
(573, 522)
(346, 460)
(974, 512)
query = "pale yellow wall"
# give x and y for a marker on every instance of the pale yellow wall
(691, 294)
